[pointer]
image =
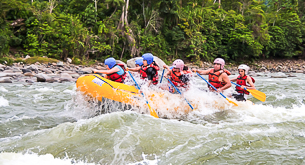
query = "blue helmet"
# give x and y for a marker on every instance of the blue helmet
(148, 57)
(139, 61)
(110, 62)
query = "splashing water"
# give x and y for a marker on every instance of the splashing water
(54, 122)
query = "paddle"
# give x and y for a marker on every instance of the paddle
(255, 93)
(216, 90)
(179, 92)
(152, 111)
(162, 75)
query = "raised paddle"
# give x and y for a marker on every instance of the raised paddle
(255, 93)
(216, 90)
(179, 92)
(162, 75)
(152, 111)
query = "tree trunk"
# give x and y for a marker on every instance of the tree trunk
(126, 31)
(52, 5)
(95, 4)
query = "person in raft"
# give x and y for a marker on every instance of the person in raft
(218, 76)
(138, 63)
(179, 75)
(245, 81)
(115, 72)
(149, 69)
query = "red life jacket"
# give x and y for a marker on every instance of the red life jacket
(176, 78)
(116, 77)
(214, 78)
(144, 74)
(243, 81)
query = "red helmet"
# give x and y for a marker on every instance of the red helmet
(178, 64)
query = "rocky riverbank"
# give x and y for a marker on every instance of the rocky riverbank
(65, 71)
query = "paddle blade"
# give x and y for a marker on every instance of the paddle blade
(152, 112)
(258, 94)
(231, 102)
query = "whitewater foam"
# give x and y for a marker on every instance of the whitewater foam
(7, 158)
(2, 89)
(3, 102)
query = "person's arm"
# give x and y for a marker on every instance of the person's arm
(204, 72)
(226, 80)
(249, 80)
(166, 67)
(167, 73)
(234, 79)
(134, 69)
(113, 70)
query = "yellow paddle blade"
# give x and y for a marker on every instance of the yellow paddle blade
(152, 112)
(258, 94)
(231, 102)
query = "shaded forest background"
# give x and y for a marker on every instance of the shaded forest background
(193, 30)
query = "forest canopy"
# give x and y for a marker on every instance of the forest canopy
(194, 30)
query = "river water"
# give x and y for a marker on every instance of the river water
(53, 123)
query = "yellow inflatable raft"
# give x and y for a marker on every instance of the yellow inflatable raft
(99, 87)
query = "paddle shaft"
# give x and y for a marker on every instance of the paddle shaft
(211, 85)
(238, 85)
(153, 112)
(179, 92)
(137, 86)
(162, 75)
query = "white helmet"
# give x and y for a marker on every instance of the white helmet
(244, 67)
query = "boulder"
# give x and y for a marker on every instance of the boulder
(44, 78)
(120, 62)
(6, 80)
(131, 62)
(278, 76)
(26, 70)
(33, 68)
(2, 66)
(291, 75)
(8, 71)
(29, 81)
(48, 71)
(299, 71)
(69, 60)
(252, 73)
(101, 68)
(11, 74)
(87, 70)
(66, 80)
(75, 75)
(65, 76)
(30, 74)
(60, 64)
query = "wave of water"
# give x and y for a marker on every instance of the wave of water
(3, 102)
(34, 159)
(57, 122)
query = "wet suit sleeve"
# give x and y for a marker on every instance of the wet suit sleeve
(150, 73)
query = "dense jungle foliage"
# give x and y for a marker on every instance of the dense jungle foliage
(194, 30)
